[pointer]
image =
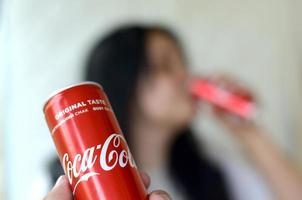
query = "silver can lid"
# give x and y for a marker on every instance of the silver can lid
(68, 87)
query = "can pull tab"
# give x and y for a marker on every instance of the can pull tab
(208, 91)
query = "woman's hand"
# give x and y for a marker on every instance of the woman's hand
(284, 179)
(238, 126)
(62, 191)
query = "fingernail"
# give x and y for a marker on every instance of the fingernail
(59, 181)
(163, 195)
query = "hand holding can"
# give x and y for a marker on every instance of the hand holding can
(229, 101)
(62, 191)
(90, 144)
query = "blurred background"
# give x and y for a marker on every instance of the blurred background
(44, 45)
(2, 125)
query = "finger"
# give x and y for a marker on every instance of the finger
(61, 190)
(159, 195)
(233, 85)
(145, 178)
(223, 114)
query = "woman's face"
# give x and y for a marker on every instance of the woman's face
(163, 97)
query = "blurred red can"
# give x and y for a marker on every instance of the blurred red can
(209, 91)
(91, 146)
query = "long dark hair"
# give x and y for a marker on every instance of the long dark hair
(116, 62)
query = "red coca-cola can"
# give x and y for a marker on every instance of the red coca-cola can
(91, 146)
(209, 91)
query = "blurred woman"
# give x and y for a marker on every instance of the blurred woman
(144, 72)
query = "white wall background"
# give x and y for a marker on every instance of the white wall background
(1, 121)
(256, 40)
(298, 38)
(2, 105)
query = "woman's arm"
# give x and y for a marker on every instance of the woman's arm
(284, 179)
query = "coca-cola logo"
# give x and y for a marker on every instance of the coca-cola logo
(106, 159)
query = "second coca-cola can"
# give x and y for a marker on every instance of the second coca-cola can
(91, 146)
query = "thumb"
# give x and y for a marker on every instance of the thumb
(61, 190)
(159, 195)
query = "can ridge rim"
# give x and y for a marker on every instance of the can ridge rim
(54, 93)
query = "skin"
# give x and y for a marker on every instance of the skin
(62, 191)
(164, 106)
